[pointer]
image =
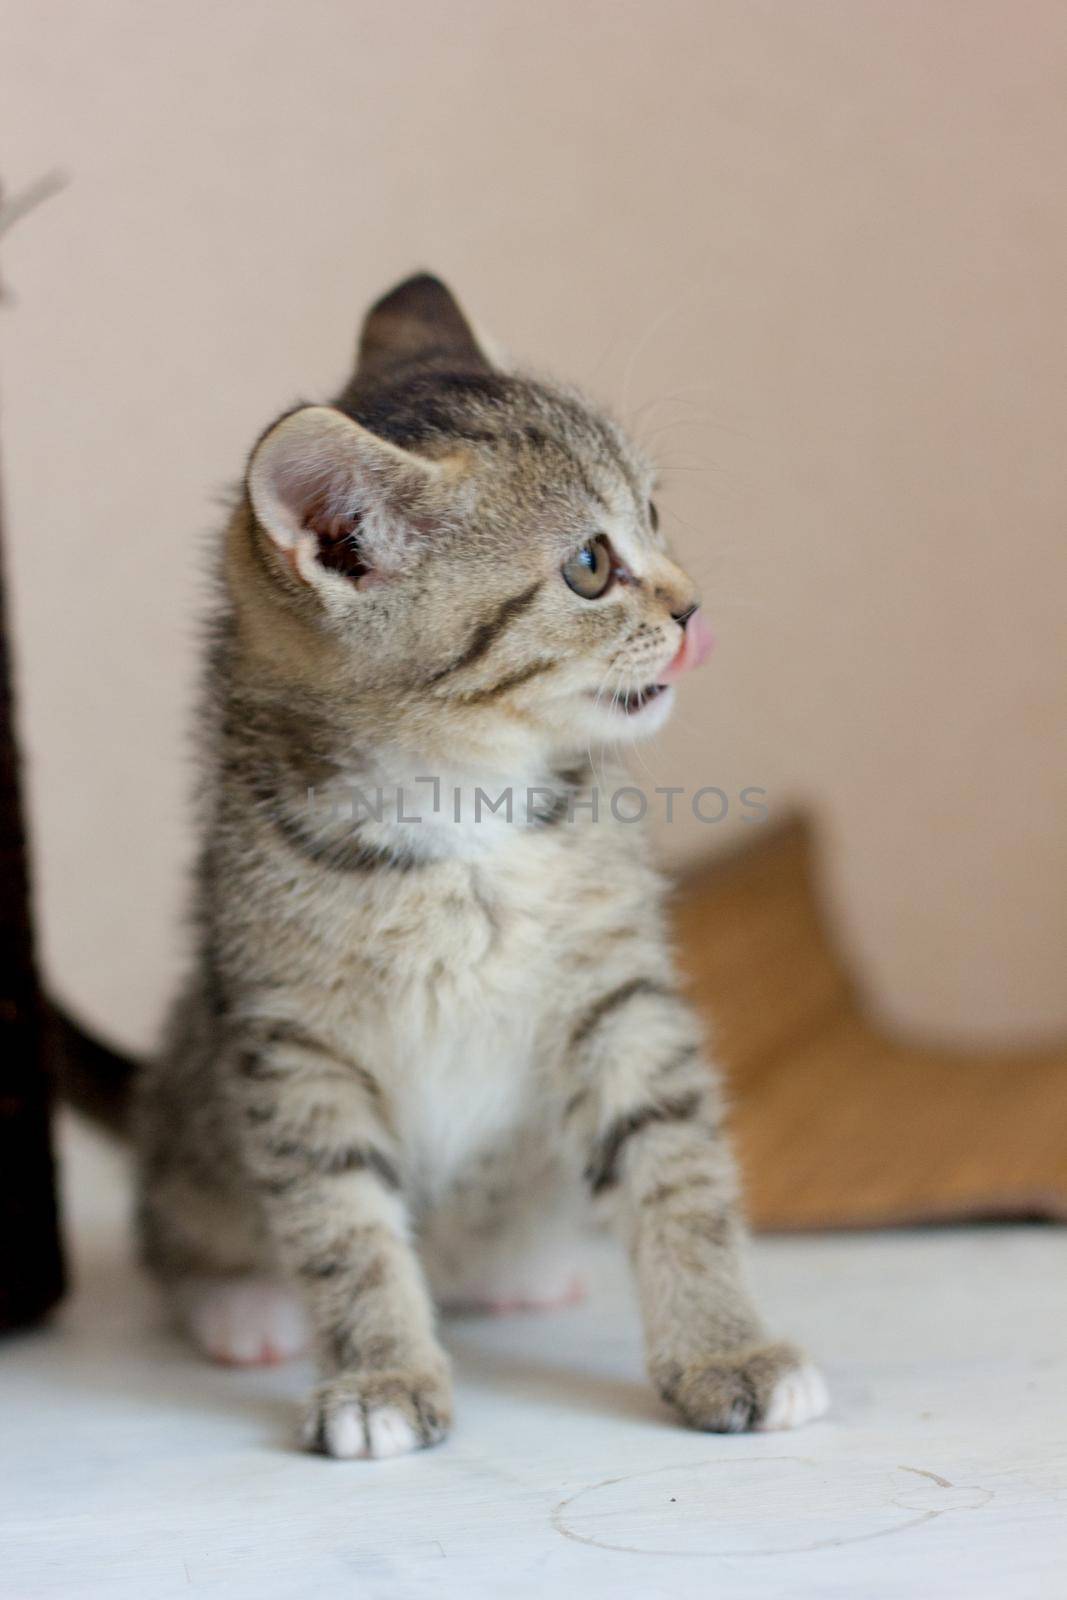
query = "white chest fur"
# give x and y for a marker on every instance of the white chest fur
(459, 1092)
(457, 1029)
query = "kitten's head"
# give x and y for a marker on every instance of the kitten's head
(476, 553)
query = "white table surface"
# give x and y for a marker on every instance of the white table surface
(130, 1468)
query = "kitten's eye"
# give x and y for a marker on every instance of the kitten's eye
(653, 516)
(589, 571)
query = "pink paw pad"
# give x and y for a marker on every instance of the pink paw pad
(571, 1294)
(246, 1322)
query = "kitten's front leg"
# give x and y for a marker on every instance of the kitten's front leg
(318, 1148)
(647, 1111)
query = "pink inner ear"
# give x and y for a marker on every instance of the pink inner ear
(336, 534)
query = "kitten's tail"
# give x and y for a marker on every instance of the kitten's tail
(90, 1076)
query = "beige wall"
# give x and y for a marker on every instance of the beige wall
(813, 249)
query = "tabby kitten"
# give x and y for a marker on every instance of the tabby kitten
(411, 1050)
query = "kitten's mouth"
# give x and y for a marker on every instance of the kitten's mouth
(636, 700)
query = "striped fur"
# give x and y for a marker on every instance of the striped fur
(403, 1044)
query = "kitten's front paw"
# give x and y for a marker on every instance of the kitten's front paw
(772, 1386)
(372, 1415)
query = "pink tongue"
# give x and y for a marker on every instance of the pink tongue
(698, 642)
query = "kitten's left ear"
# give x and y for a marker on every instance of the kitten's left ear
(418, 323)
(341, 506)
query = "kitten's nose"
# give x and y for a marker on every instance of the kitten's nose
(682, 617)
(698, 641)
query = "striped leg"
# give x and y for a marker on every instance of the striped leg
(647, 1112)
(317, 1143)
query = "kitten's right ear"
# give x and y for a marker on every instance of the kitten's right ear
(341, 507)
(419, 322)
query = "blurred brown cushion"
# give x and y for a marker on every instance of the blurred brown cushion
(837, 1125)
